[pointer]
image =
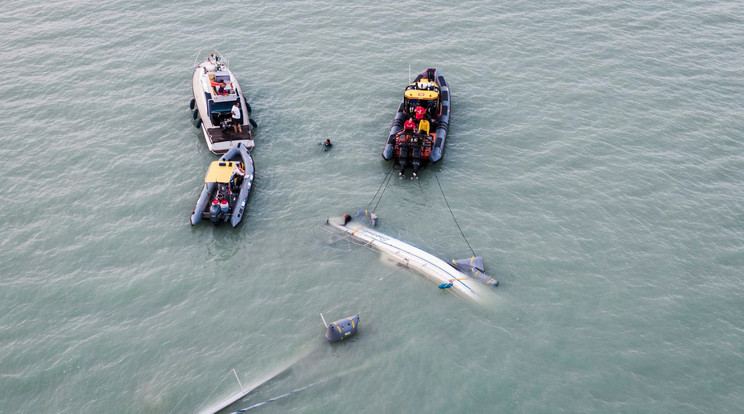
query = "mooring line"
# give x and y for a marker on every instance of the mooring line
(179, 403)
(453, 214)
(393, 271)
(296, 390)
(205, 400)
(387, 175)
(273, 399)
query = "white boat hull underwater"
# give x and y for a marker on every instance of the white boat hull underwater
(212, 109)
(253, 385)
(407, 255)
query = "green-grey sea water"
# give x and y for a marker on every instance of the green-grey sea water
(594, 160)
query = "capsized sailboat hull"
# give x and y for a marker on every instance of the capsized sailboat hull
(405, 254)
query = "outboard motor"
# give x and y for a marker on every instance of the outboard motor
(342, 328)
(214, 211)
(224, 207)
(219, 208)
(416, 160)
(403, 158)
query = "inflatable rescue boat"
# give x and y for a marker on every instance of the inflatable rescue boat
(421, 123)
(227, 186)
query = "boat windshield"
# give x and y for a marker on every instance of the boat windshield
(222, 76)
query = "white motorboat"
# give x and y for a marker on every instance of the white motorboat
(216, 90)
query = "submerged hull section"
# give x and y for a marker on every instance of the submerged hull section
(255, 383)
(412, 257)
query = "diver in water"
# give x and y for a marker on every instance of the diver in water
(326, 144)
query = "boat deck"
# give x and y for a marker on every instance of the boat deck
(216, 135)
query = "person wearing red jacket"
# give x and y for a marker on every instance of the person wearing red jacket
(409, 125)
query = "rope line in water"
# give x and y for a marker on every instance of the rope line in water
(272, 399)
(296, 390)
(208, 396)
(453, 214)
(393, 271)
(387, 176)
(390, 177)
(179, 403)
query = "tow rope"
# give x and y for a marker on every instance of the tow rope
(386, 178)
(453, 214)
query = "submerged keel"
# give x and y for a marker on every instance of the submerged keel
(473, 267)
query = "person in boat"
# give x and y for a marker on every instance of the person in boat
(347, 219)
(236, 118)
(326, 144)
(423, 127)
(218, 86)
(412, 104)
(215, 61)
(236, 179)
(409, 126)
(420, 111)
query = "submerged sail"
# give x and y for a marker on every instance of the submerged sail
(474, 266)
